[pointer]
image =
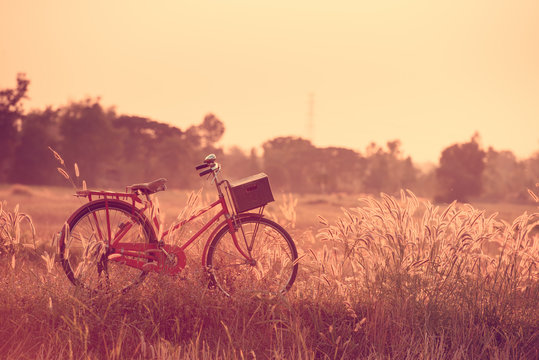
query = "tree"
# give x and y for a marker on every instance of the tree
(144, 141)
(152, 149)
(203, 137)
(238, 164)
(294, 164)
(388, 170)
(459, 175)
(211, 130)
(89, 139)
(288, 162)
(531, 172)
(32, 161)
(338, 170)
(10, 114)
(503, 177)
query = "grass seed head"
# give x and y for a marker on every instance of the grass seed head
(57, 156)
(63, 173)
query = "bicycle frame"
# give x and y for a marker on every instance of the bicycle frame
(114, 240)
(131, 254)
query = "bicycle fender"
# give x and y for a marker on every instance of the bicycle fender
(218, 228)
(92, 203)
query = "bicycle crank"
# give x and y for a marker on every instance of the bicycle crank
(170, 260)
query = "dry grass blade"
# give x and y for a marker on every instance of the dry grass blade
(12, 239)
(433, 258)
(193, 208)
(49, 261)
(534, 197)
(57, 156)
(397, 278)
(287, 206)
(63, 173)
(63, 170)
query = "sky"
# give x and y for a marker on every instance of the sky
(340, 73)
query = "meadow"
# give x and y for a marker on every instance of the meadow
(391, 277)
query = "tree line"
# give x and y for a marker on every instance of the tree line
(114, 150)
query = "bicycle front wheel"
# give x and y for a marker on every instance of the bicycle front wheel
(263, 260)
(85, 245)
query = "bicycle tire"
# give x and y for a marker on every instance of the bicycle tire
(272, 268)
(84, 258)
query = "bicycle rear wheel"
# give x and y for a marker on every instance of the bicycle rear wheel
(269, 267)
(84, 246)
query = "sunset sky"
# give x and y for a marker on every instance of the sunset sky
(430, 73)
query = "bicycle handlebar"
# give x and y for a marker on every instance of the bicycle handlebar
(205, 172)
(209, 162)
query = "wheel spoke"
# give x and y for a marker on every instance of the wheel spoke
(271, 268)
(85, 251)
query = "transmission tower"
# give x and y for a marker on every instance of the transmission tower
(310, 117)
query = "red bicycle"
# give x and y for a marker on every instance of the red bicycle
(111, 242)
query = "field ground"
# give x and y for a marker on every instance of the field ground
(403, 305)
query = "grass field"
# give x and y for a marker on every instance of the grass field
(384, 278)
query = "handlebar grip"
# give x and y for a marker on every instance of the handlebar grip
(202, 166)
(205, 172)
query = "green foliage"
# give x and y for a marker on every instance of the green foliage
(298, 166)
(460, 172)
(504, 177)
(10, 112)
(531, 171)
(237, 164)
(115, 150)
(89, 139)
(109, 150)
(290, 163)
(388, 171)
(32, 163)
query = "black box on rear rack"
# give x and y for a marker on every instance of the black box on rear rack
(250, 192)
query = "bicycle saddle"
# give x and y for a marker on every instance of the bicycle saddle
(149, 187)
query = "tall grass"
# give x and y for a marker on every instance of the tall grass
(395, 278)
(426, 270)
(14, 236)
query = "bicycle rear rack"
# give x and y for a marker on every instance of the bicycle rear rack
(101, 194)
